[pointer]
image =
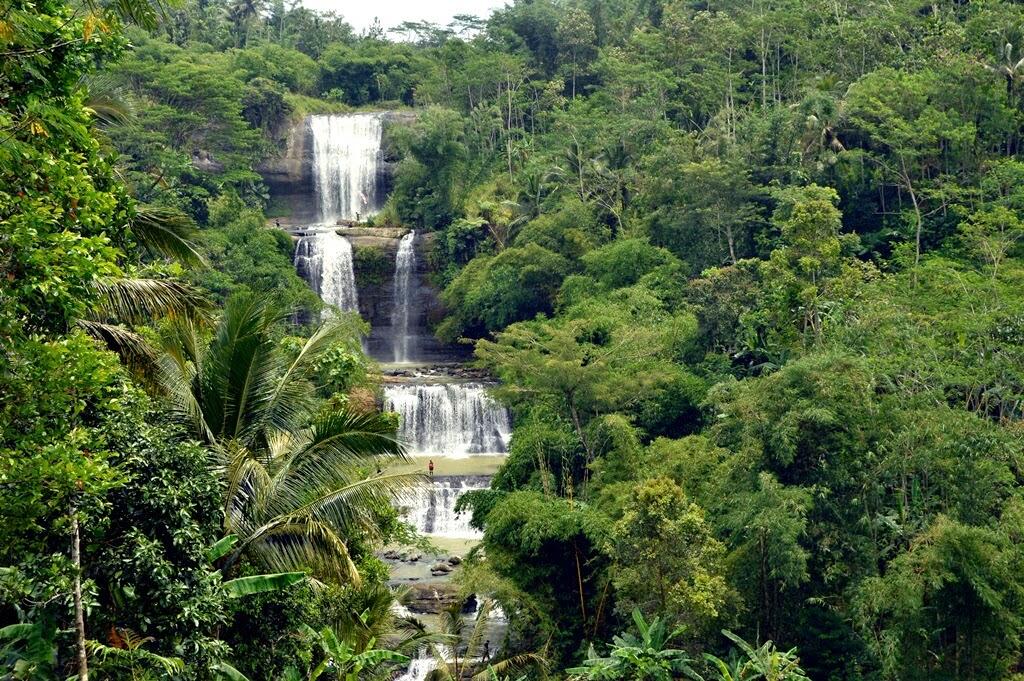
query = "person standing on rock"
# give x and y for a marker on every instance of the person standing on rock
(430, 467)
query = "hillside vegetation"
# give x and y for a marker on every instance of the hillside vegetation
(750, 274)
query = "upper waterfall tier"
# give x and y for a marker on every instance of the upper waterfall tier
(450, 419)
(346, 165)
(324, 259)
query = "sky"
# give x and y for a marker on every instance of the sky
(360, 13)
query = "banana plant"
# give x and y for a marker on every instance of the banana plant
(765, 662)
(253, 584)
(341, 659)
(646, 656)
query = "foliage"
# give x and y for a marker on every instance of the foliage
(256, 407)
(667, 562)
(492, 293)
(749, 274)
(638, 657)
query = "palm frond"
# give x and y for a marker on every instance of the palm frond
(247, 486)
(516, 664)
(142, 13)
(109, 103)
(239, 372)
(178, 375)
(287, 405)
(133, 349)
(290, 544)
(351, 508)
(142, 360)
(326, 455)
(137, 300)
(167, 232)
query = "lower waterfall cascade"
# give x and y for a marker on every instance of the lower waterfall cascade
(431, 508)
(455, 420)
(419, 669)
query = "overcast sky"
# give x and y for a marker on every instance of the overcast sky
(360, 13)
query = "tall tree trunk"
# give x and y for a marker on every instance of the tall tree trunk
(76, 560)
(917, 216)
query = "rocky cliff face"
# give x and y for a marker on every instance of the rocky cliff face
(374, 268)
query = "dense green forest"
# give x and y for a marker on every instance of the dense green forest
(750, 274)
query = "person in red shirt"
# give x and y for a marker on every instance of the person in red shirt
(430, 467)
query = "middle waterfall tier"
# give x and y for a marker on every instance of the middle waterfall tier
(454, 420)
(402, 305)
(324, 259)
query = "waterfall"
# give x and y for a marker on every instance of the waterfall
(324, 259)
(454, 420)
(431, 508)
(419, 669)
(401, 306)
(346, 158)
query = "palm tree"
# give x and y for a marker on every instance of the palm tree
(293, 472)
(1011, 68)
(465, 651)
(129, 299)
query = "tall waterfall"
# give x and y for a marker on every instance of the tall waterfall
(455, 420)
(324, 259)
(431, 509)
(401, 306)
(346, 158)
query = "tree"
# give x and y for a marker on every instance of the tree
(947, 607)
(543, 544)
(710, 217)
(667, 560)
(575, 33)
(493, 292)
(912, 128)
(992, 234)
(294, 486)
(604, 354)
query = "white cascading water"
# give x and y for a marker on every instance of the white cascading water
(405, 267)
(324, 259)
(431, 508)
(419, 669)
(454, 420)
(346, 161)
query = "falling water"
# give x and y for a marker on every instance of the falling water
(454, 420)
(346, 158)
(401, 309)
(431, 509)
(324, 259)
(419, 669)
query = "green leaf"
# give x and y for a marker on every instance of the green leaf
(224, 670)
(221, 548)
(244, 586)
